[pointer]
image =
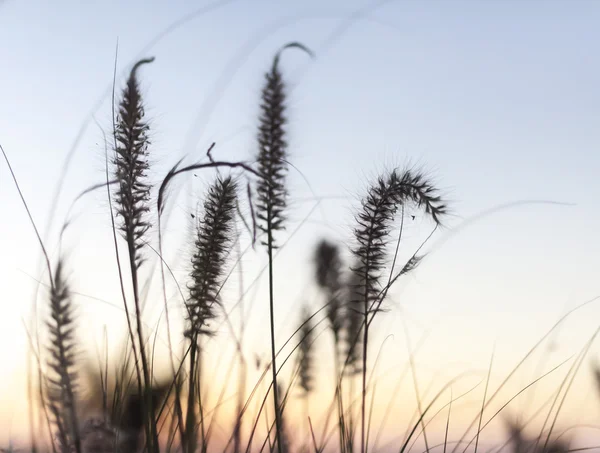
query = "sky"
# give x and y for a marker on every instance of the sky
(497, 101)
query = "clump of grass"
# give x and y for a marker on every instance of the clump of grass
(522, 444)
(353, 298)
(112, 408)
(99, 436)
(213, 241)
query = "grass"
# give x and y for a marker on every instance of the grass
(141, 411)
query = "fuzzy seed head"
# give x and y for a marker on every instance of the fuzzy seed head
(272, 153)
(353, 322)
(131, 165)
(212, 245)
(376, 220)
(306, 364)
(328, 274)
(62, 378)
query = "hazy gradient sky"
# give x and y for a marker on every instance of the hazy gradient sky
(498, 100)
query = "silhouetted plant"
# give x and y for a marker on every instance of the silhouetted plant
(130, 422)
(62, 351)
(271, 189)
(132, 205)
(375, 220)
(306, 361)
(328, 275)
(213, 241)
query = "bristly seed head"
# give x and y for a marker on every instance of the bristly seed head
(272, 149)
(131, 165)
(353, 322)
(213, 240)
(375, 221)
(272, 152)
(306, 365)
(328, 273)
(62, 381)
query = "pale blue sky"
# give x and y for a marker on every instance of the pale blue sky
(500, 100)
